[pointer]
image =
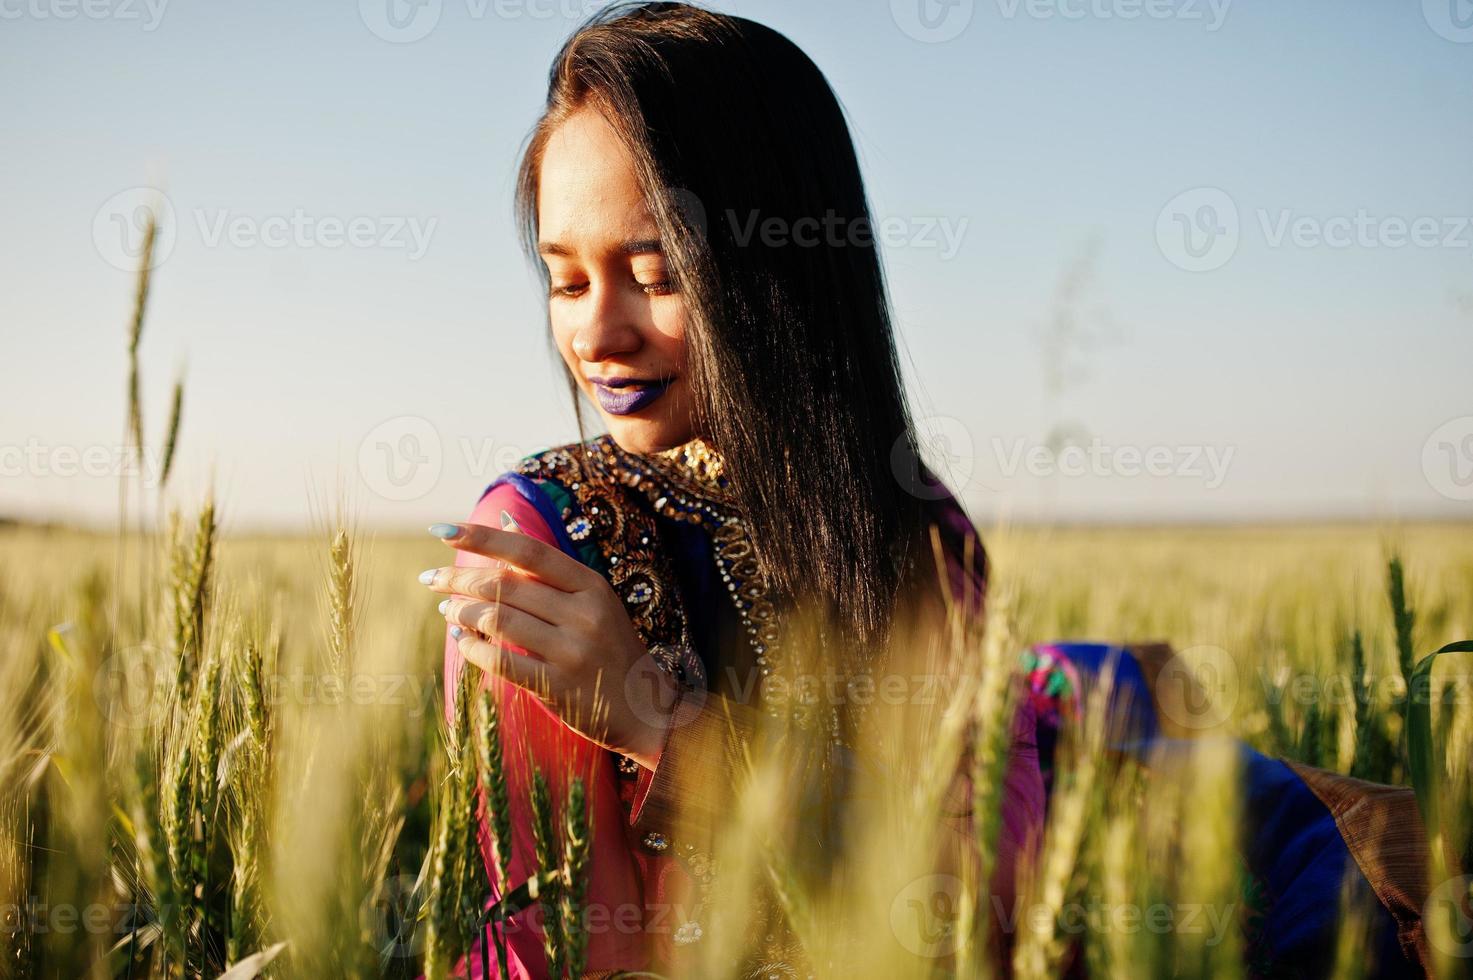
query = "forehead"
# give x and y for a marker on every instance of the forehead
(587, 193)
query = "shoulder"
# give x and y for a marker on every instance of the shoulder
(961, 545)
(544, 488)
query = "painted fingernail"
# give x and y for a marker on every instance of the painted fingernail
(427, 577)
(456, 632)
(444, 605)
(509, 523)
(445, 531)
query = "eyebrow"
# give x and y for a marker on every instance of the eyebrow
(640, 246)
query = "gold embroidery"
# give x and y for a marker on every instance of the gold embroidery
(688, 484)
(614, 504)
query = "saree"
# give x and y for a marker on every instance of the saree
(663, 530)
(1313, 841)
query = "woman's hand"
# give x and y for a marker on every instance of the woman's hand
(583, 658)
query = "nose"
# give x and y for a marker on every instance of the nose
(609, 326)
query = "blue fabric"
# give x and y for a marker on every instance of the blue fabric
(1133, 717)
(530, 491)
(1291, 844)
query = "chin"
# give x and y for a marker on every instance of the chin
(635, 436)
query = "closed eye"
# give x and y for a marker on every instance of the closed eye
(569, 290)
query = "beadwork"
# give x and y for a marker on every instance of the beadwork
(687, 484)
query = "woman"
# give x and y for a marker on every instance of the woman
(760, 457)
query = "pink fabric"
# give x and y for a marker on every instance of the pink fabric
(1021, 830)
(1023, 791)
(620, 873)
(532, 734)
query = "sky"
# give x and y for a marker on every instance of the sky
(1149, 259)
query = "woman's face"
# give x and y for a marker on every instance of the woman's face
(616, 320)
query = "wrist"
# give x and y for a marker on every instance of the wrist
(653, 693)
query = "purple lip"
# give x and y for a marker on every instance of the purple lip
(617, 399)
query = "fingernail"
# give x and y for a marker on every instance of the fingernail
(444, 605)
(445, 531)
(509, 523)
(427, 577)
(456, 632)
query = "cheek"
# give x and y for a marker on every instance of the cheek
(669, 332)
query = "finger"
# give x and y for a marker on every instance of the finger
(508, 624)
(525, 672)
(524, 551)
(500, 584)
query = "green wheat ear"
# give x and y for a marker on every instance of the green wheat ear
(341, 602)
(135, 334)
(171, 435)
(577, 842)
(544, 836)
(493, 769)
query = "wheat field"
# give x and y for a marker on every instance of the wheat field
(303, 675)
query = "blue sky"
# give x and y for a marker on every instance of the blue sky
(1240, 229)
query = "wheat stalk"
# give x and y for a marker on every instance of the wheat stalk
(192, 600)
(544, 837)
(135, 334)
(171, 435)
(576, 856)
(341, 603)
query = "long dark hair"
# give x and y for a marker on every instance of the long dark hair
(746, 163)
